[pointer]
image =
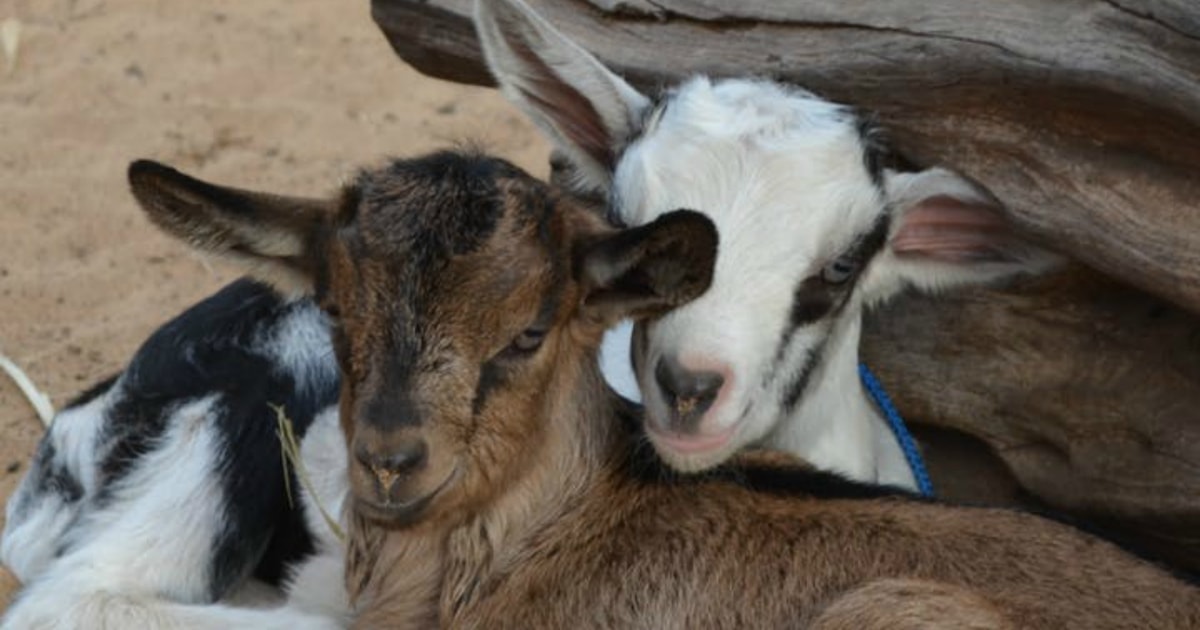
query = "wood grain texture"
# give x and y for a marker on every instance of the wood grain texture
(1083, 117)
(1084, 390)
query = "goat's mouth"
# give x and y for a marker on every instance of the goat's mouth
(689, 444)
(401, 513)
(695, 452)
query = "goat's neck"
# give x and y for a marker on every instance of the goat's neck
(583, 436)
(836, 426)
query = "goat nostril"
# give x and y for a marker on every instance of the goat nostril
(406, 458)
(397, 462)
(689, 393)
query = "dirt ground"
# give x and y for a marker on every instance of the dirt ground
(284, 95)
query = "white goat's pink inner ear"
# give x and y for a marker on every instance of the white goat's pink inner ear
(951, 230)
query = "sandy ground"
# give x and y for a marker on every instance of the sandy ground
(284, 95)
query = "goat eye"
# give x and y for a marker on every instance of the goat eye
(528, 341)
(839, 270)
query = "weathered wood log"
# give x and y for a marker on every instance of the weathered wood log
(1075, 391)
(1082, 117)
(1087, 391)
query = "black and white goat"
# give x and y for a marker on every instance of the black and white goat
(162, 491)
(813, 230)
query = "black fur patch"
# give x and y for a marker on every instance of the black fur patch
(795, 388)
(491, 376)
(51, 478)
(804, 481)
(403, 202)
(868, 244)
(211, 349)
(875, 150)
(811, 301)
(814, 300)
(93, 392)
(392, 406)
(645, 466)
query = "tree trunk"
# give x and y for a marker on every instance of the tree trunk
(1085, 390)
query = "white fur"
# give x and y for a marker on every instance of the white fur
(781, 172)
(140, 559)
(317, 585)
(299, 346)
(35, 521)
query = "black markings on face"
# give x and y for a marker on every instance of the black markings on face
(431, 208)
(815, 301)
(812, 300)
(491, 376)
(409, 220)
(556, 255)
(868, 245)
(795, 388)
(392, 406)
(493, 373)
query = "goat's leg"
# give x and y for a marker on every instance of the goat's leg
(909, 604)
(141, 555)
(53, 609)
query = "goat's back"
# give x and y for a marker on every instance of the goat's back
(168, 479)
(716, 553)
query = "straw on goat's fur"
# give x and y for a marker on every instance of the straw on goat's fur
(291, 457)
(36, 397)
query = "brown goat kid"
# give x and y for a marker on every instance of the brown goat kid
(497, 482)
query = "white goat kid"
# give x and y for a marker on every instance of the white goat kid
(813, 230)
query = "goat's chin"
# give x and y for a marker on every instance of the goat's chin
(397, 513)
(392, 515)
(694, 453)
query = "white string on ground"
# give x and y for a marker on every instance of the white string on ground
(10, 41)
(36, 397)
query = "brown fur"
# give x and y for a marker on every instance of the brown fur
(910, 604)
(537, 506)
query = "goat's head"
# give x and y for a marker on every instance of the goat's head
(813, 227)
(460, 291)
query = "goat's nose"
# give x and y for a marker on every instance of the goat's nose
(689, 393)
(396, 462)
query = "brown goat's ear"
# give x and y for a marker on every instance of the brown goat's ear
(645, 271)
(267, 233)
